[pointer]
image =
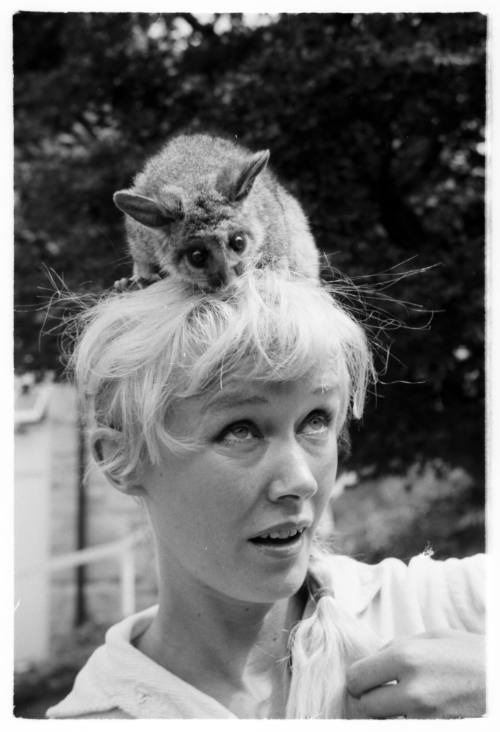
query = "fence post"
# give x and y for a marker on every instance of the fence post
(81, 521)
(27, 574)
(32, 542)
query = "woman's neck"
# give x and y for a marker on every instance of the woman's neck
(233, 651)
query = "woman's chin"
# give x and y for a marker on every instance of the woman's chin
(280, 585)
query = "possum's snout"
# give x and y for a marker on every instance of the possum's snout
(224, 276)
(215, 282)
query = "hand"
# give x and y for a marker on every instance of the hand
(437, 675)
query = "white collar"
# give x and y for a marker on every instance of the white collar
(119, 675)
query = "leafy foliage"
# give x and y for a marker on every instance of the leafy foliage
(429, 507)
(375, 121)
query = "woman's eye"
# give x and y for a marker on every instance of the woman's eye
(238, 433)
(316, 423)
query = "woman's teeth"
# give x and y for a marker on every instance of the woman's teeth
(281, 534)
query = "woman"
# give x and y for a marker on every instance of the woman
(223, 413)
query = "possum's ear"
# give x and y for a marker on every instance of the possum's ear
(148, 211)
(235, 180)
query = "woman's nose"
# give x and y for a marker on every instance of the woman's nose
(291, 476)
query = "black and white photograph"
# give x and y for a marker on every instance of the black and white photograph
(251, 362)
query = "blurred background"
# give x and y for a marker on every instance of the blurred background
(376, 122)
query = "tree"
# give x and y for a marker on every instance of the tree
(377, 123)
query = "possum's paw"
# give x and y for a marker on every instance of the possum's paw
(126, 284)
(149, 280)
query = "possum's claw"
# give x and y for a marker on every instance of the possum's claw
(143, 282)
(127, 284)
(122, 285)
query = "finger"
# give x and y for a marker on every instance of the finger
(372, 671)
(354, 708)
(382, 703)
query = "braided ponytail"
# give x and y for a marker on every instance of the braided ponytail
(322, 647)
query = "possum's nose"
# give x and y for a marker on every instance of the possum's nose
(217, 280)
(238, 269)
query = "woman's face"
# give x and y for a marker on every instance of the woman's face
(237, 515)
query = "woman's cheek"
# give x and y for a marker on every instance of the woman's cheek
(328, 475)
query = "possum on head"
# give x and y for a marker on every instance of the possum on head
(204, 210)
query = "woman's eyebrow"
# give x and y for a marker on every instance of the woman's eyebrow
(325, 389)
(228, 399)
(232, 399)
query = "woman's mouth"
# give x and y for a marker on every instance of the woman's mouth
(279, 537)
(281, 542)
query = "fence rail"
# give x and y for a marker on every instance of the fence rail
(122, 548)
(25, 416)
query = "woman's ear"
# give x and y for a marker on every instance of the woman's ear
(105, 443)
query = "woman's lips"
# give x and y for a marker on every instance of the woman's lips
(283, 541)
(278, 536)
(283, 531)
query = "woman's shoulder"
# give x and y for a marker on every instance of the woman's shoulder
(108, 676)
(451, 590)
(120, 682)
(89, 698)
(345, 571)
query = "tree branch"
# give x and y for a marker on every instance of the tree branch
(206, 29)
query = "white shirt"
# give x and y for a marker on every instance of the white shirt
(391, 598)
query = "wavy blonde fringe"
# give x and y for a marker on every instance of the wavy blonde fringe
(140, 352)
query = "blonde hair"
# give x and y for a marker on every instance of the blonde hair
(322, 647)
(140, 352)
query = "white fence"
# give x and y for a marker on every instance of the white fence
(32, 627)
(34, 564)
(122, 549)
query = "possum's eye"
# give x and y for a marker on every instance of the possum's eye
(237, 243)
(197, 256)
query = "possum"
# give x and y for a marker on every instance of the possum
(204, 210)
